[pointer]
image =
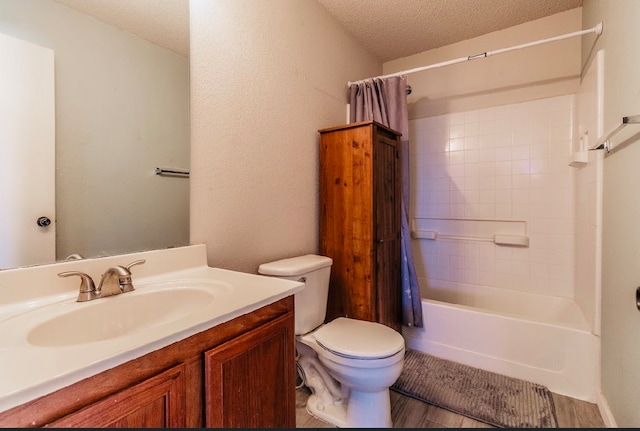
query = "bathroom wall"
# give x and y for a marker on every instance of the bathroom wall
(534, 73)
(265, 77)
(498, 170)
(112, 127)
(621, 205)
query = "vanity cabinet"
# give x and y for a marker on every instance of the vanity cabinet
(240, 373)
(360, 221)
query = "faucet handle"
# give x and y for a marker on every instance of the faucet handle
(134, 263)
(126, 283)
(87, 286)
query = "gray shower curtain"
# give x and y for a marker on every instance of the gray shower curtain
(385, 101)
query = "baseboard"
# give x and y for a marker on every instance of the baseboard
(605, 411)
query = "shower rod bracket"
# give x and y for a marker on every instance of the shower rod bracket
(481, 55)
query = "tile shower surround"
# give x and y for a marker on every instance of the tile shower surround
(503, 163)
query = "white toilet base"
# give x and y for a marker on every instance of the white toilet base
(332, 413)
(361, 414)
(357, 413)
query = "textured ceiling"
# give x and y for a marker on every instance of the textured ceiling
(393, 29)
(390, 29)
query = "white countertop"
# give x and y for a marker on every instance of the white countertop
(28, 371)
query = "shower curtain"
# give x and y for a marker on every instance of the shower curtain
(385, 101)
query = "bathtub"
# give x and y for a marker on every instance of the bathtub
(542, 339)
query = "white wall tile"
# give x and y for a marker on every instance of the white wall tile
(503, 163)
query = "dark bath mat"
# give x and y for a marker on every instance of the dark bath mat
(482, 395)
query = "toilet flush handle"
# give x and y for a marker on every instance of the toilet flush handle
(304, 280)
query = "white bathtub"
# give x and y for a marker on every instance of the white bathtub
(542, 339)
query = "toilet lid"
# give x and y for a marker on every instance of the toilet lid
(359, 339)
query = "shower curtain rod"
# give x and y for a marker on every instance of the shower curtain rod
(597, 30)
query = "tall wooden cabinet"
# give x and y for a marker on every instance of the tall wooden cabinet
(360, 221)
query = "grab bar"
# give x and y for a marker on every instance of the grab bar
(172, 172)
(499, 239)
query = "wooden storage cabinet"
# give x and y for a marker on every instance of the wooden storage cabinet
(238, 374)
(360, 221)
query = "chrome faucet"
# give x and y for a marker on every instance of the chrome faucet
(115, 280)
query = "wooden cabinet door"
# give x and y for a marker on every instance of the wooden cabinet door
(386, 225)
(250, 380)
(157, 402)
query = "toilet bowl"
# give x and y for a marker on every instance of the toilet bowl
(365, 371)
(348, 364)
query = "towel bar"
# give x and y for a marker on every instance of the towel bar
(172, 172)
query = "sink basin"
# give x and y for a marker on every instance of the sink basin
(120, 315)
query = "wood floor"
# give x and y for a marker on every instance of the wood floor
(407, 412)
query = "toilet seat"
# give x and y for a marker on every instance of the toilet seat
(358, 339)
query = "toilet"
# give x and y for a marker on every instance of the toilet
(348, 364)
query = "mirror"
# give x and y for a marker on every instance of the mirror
(121, 111)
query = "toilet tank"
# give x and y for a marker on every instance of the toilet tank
(311, 302)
